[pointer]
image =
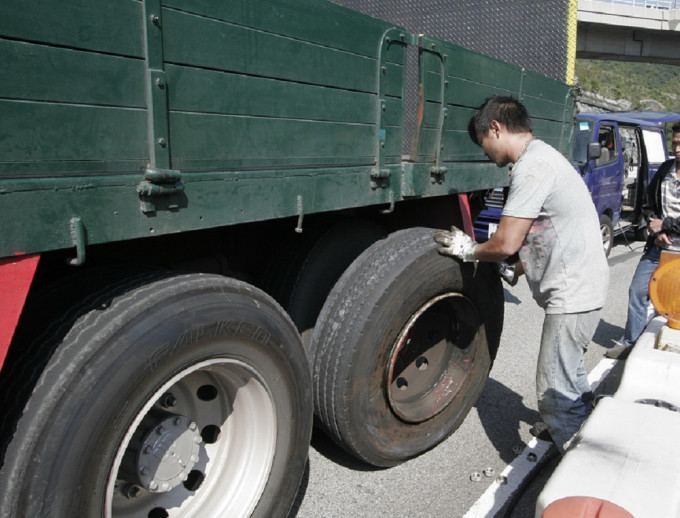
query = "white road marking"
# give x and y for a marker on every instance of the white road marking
(497, 494)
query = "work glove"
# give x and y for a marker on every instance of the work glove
(456, 243)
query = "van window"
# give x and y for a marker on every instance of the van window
(654, 145)
(606, 136)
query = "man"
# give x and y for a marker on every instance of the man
(550, 219)
(662, 212)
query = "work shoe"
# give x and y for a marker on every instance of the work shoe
(620, 352)
(540, 431)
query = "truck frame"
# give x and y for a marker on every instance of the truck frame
(211, 233)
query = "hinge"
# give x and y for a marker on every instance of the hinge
(437, 174)
(380, 178)
(159, 183)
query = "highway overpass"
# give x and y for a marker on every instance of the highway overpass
(629, 30)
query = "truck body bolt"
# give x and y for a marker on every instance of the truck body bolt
(168, 400)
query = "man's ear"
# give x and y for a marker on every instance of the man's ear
(495, 128)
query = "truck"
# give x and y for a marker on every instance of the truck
(213, 238)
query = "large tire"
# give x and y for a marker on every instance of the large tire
(300, 277)
(403, 348)
(186, 396)
(607, 231)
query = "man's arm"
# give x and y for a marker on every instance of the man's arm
(507, 239)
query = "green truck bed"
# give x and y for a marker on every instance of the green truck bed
(125, 119)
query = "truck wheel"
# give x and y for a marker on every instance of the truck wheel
(185, 396)
(607, 231)
(403, 347)
(302, 276)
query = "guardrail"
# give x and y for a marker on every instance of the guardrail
(652, 4)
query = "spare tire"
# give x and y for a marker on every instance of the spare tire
(403, 347)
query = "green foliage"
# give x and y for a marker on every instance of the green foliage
(634, 82)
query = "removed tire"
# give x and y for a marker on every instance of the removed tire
(403, 347)
(607, 231)
(186, 396)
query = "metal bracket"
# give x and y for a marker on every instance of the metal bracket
(156, 183)
(380, 178)
(437, 174)
(79, 238)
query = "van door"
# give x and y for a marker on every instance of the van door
(605, 178)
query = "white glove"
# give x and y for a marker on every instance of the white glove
(456, 243)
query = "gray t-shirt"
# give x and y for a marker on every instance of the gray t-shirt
(562, 254)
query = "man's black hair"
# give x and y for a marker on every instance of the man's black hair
(502, 108)
(676, 128)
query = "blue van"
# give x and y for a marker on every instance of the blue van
(617, 154)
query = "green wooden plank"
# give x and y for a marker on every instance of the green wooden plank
(473, 66)
(393, 114)
(459, 147)
(112, 26)
(42, 73)
(426, 145)
(392, 80)
(208, 91)
(462, 92)
(43, 132)
(542, 87)
(458, 118)
(432, 87)
(213, 140)
(314, 21)
(201, 42)
(109, 208)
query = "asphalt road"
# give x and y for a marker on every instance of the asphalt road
(438, 483)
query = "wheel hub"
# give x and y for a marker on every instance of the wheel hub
(167, 453)
(432, 357)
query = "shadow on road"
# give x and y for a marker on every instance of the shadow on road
(501, 411)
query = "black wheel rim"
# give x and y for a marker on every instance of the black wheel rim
(432, 357)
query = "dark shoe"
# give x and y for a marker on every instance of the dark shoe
(540, 431)
(619, 353)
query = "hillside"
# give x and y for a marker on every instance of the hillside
(647, 86)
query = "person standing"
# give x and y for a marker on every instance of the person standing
(662, 212)
(550, 219)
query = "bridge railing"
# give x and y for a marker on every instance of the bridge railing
(652, 4)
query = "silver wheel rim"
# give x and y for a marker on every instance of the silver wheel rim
(432, 357)
(217, 468)
(606, 237)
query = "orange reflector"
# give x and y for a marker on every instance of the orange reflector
(584, 507)
(664, 288)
